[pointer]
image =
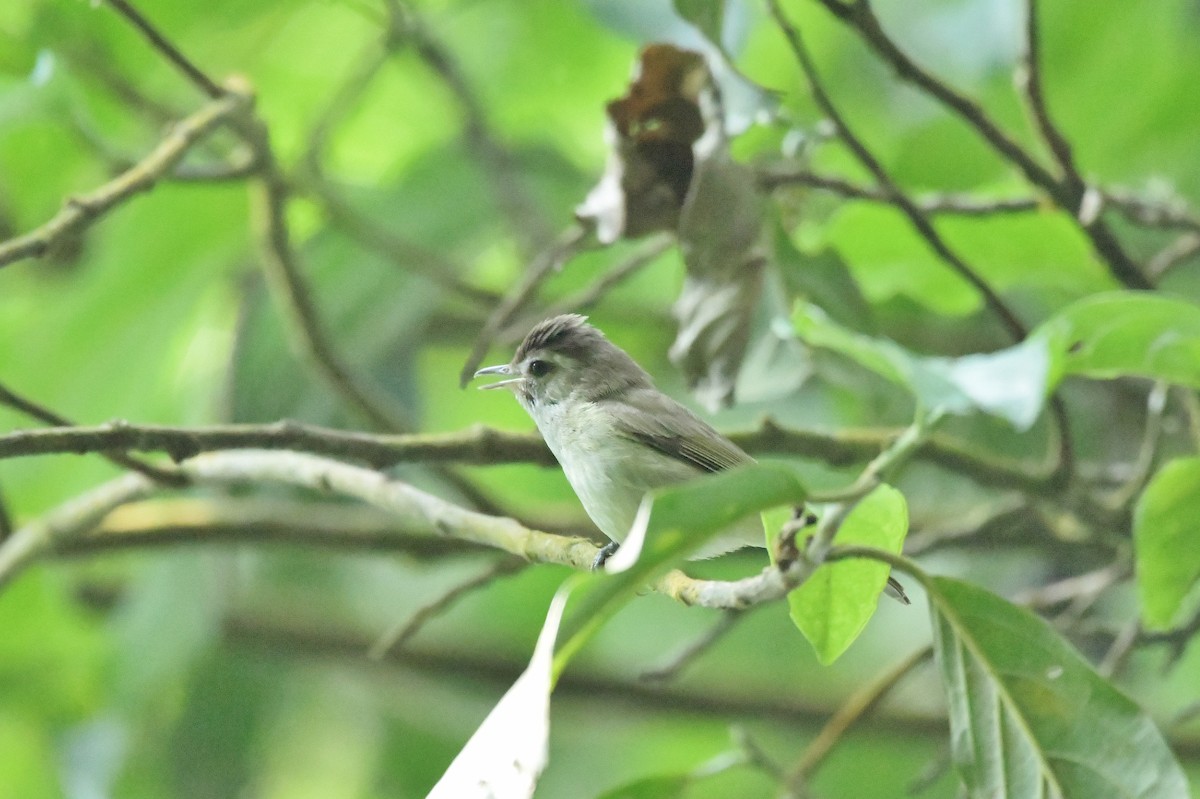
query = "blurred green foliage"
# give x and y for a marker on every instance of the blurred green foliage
(240, 670)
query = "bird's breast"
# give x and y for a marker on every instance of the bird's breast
(609, 472)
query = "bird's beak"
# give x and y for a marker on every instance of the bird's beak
(502, 369)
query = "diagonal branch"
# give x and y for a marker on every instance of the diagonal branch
(116, 455)
(1075, 199)
(281, 265)
(1012, 324)
(167, 49)
(930, 204)
(919, 221)
(1029, 79)
(81, 211)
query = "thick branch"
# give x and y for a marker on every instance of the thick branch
(481, 445)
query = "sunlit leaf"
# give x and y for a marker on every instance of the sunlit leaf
(1011, 383)
(833, 606)
(669, 786)
(1166, 538)
(1029, 717)
(707, 15)
(1127, 333)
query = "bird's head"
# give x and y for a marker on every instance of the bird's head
(566, 358)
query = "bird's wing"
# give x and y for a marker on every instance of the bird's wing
(656, 420)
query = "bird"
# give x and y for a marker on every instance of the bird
(615, 434)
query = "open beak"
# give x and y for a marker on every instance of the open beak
(502, 369)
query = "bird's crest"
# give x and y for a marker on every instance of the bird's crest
(569, 334)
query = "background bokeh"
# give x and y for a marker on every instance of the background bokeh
(240, 669)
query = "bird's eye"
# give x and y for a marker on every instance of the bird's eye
(539, 368)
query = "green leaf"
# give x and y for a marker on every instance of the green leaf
(833, 606)
(1126, 333)
(670, 786)
(673, 523)
(1166, 539)
(707, 15)
(1010, 383)
(1029, 717)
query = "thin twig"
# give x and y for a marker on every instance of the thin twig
(6, 524)
(856, 707)
(550, 260)
(581, 301)
(1143, 464)
(931, 204)
(344, 100)
(1179, 251)
(1029, 79)
(1118, 653)
(81, 211)
(284, 276)
(406, 254)
(116, 455)
(394, 639)
(508, 184)
(1167, 215)
(694, 649)
(168, 50)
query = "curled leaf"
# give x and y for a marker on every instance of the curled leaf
(669, 168)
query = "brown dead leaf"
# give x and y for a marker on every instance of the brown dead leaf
(669, 168)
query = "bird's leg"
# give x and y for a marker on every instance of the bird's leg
(786, 549)
(604, 554)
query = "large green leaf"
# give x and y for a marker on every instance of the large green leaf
(1166, 538)
(1029, 717)
(833, 606)
(1010, 383)
(1126, 333)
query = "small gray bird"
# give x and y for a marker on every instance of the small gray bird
(615, 434)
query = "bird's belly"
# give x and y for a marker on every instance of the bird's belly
(611, 474)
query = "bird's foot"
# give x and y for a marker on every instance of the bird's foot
(604, 554)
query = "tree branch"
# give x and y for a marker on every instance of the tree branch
(168, 50)
(930, 204)
(117, 455)
(1029, 79)
(394, 639)
(482, 445)
(856, 707)
(1072, 198)
(1012, 324)
(81, 211)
